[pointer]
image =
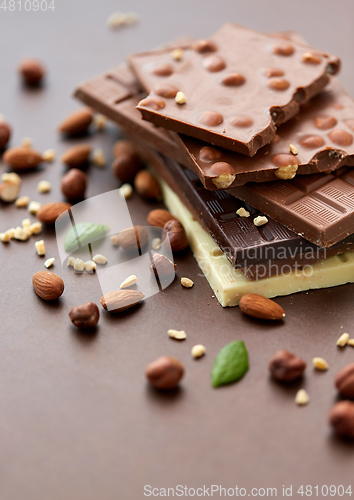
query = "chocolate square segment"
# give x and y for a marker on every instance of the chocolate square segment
(238, 86)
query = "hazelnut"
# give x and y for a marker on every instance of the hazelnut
(161, 266)
(126, 166)
(164, 373)
(341, 418)
(177, 235)
(147, 186)
(73, 184)
(286, 367)
(32, 71)
(5, 133)
(345, 381)
(132, 239)
(85, 316)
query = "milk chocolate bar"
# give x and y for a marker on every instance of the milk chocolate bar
(238, 86)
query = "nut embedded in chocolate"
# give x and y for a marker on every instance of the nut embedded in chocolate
(85, 316)
(341, 418)
(345, 381)
(177, 235)
(286, 366)
(165, 373)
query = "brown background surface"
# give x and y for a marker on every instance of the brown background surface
(77, 420)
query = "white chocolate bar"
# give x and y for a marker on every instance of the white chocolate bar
(229, 284)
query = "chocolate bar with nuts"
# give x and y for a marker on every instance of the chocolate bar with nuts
(234, 89)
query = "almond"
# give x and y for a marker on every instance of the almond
(159, 217)
(49, 212)
(21, 158)
(161, 266)
(48, 286)
(120, 300)
(77, 122)
(260, 307)
(132, 238)
(77, 155)
(146, 185)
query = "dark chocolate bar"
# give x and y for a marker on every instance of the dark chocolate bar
(239, 86)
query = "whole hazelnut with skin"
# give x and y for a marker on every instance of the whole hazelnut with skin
(73, 184)
(85, 316)
(127, 162)
(286, 366)
(341, 418)
(147, 186)
(345, 381)
(177, 235)
(164, 373)
(5, 133)
(32, 71)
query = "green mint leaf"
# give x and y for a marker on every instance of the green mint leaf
(230, 364)
(83, 233)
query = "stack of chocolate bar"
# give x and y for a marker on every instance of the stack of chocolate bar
(252, 139)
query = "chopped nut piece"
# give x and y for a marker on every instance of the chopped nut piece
(21, 233)
(100, 259)
(98, 158)
(320, 364)
(351, 342)
(287, 172)
(187, 283)
(22, 202)
(242, 212)
(49, 155)
(26, 142)
(78, 265)
(100, 121)
(177, 334)
(10, 187)
(11, 178)
(71, 261)
(343, 340)
(35, 228)
(5, 237)
(180, 98)
(177, 54)
(40, 247)
(198, 351)
(44, 187)
(90, 266)
(223, 181)
(26, 223)
(11, 232)
(260, 220)
(126, 191)
(293, 149)
(33, 207)
(115, 240)
(156, 243)
(130, 281)
(302, 398)
(119, 19)
(49, 262)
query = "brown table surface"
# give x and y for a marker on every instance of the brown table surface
(77, 419)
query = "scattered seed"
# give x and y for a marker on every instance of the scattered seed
(40, 247)
(302, 398)
(33, 207)
(49, 262)
(100, 259)
(79, 265)
(177, 334)
(293, 149)
(36, 228)
(90, 266)
(351, 342)
(44, 187)
(187, 283)
(180, 98)
(21, 233)
(22, 202)
(126, 191)
(242, 212)
(260, 220)
(130, 281)
(5, 237)
(98, 158)
(198, 351)
(320, 364)
(26, 223)
(71, 261)
(343, 340)
(119, 19)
